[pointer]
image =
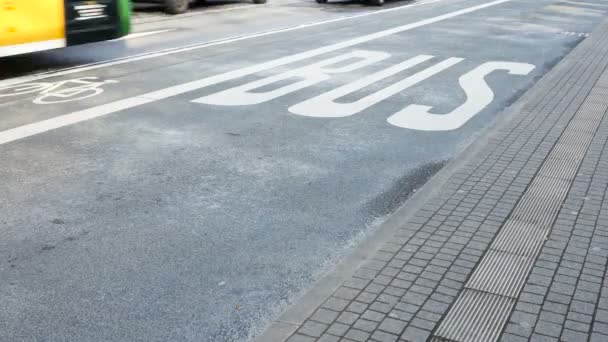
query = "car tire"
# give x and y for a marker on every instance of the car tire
(376, 2)
(259, 1)
(321, 1)
(176, 6)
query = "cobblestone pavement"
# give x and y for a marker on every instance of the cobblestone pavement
(513, 247)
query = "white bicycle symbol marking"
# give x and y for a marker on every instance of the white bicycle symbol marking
(62, 91)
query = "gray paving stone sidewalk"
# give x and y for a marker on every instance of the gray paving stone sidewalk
(514, 247)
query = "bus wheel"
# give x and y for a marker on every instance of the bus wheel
(176, 6)
(376, 2)
(259, 1)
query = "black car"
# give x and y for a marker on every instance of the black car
(180, 6)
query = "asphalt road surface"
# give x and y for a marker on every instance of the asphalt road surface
(191, 191)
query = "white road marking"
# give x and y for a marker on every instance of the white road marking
(72, 90)
(113, 107)
(309, 75)
(165, 52)
(143, 34)
(325, 105)
(580, 34)
(478, 94)
(57, 92)
(69, 119)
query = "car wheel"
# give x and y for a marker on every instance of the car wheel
(259, 1)
(376, 2)
(176, 6)
(321, 1)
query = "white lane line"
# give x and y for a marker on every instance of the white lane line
(113, 107)
(143, 34)
(149, 55)
(69, 119)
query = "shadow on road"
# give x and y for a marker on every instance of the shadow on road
(349, 6)
(150, 7)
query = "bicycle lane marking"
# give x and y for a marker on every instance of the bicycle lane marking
(58, 92)
(116, 106)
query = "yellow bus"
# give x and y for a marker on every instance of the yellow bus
(36, 25)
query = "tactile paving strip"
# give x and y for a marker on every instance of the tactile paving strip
(560, 168)
(474, 317)
(521, 238)
(482, 309)
(501, 273)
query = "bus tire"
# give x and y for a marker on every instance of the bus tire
(176, 6)
(259, 1)
(376, 2)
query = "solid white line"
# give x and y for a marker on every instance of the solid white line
(149, 55)
(69, 119)
(19, 49)
(112, 107)
(143, 34)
